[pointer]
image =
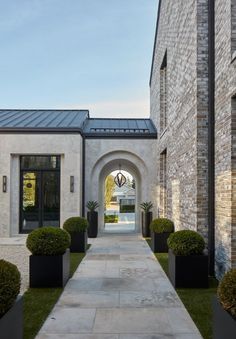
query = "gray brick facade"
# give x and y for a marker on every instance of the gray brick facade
(185, 136)
(183, 34)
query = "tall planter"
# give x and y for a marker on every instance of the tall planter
(11, 324)
(146, 221)
(79, 241)
(188, 270)
(49, 270)
(224, 325)
(159, 242)
(92, 218)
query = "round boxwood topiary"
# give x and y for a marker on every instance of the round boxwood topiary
(9, 285)
(75, 225)
(162, 225)
(48, 241)
(186, 242)
(227, 292)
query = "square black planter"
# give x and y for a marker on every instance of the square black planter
(224, 325)
(49, 270)
(11, 324)
(159, 242)
(188, 271)
(79, 242)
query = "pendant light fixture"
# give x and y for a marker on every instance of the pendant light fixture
(120, 179)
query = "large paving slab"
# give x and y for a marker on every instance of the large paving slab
(119, 291)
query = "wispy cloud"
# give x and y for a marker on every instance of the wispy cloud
(114, 109)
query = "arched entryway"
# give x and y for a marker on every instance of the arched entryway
(119, 202)
(108, 163)
(111, 166)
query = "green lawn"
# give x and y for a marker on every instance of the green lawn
(38, 302)
(196, 300)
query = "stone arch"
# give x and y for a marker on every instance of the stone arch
(109, 162)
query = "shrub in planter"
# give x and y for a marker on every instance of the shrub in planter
(224, 308)
(161, 229)
(11, 309)
(146, 218)
(188, 265)
(92, 217)
(50, 259)
(112, 218)
(77, 228)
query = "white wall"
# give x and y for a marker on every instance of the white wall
(136, 156)
(68, 146)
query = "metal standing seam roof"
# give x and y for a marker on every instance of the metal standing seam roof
(42, 119)
(31, 121)
(119, 127)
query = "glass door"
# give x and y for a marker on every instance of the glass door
(50, 198)
(39, 192)
(30, 200)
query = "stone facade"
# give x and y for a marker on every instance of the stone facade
(69, 147)
(183, 34)
(183, 37)
(225, 157)
(137, 156)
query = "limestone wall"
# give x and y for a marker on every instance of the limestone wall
(137, 156)
(69, 147)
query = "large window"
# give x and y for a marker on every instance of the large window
(163, 94)
(163, 183)
(39, 192)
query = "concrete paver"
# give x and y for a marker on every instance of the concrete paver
(119, 292)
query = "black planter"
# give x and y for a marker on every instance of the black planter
(146, 221)
(49, 270)
(159, 242)
(92, 218)
(188, 271)
(224, 325)
(11, 324)
(79, 242)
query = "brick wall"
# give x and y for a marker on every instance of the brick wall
(183, 34)
(224, 139)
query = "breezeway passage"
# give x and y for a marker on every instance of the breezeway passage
(119, 292)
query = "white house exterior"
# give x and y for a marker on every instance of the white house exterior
(52, 162)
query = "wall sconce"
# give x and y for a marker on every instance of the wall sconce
(4, 183)
(72, 184)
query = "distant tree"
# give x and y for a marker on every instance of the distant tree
(109, 189)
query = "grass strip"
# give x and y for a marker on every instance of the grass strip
(38, 302)
(198, 301)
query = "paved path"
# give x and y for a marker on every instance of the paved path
(119, 292)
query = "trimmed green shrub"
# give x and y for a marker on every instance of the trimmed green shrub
(227, 292)
(162, 225)
(9, 285)
(48, 241)
(127, 208)
(146, 206)
(75, 225)
(92, 205)
(111, 218)
(186, 242)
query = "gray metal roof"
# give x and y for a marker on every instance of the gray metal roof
(31, 121)
(42, 119)
(119, 127)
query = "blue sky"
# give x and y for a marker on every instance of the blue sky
(93, 54)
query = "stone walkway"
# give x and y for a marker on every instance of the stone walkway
(119, 291)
